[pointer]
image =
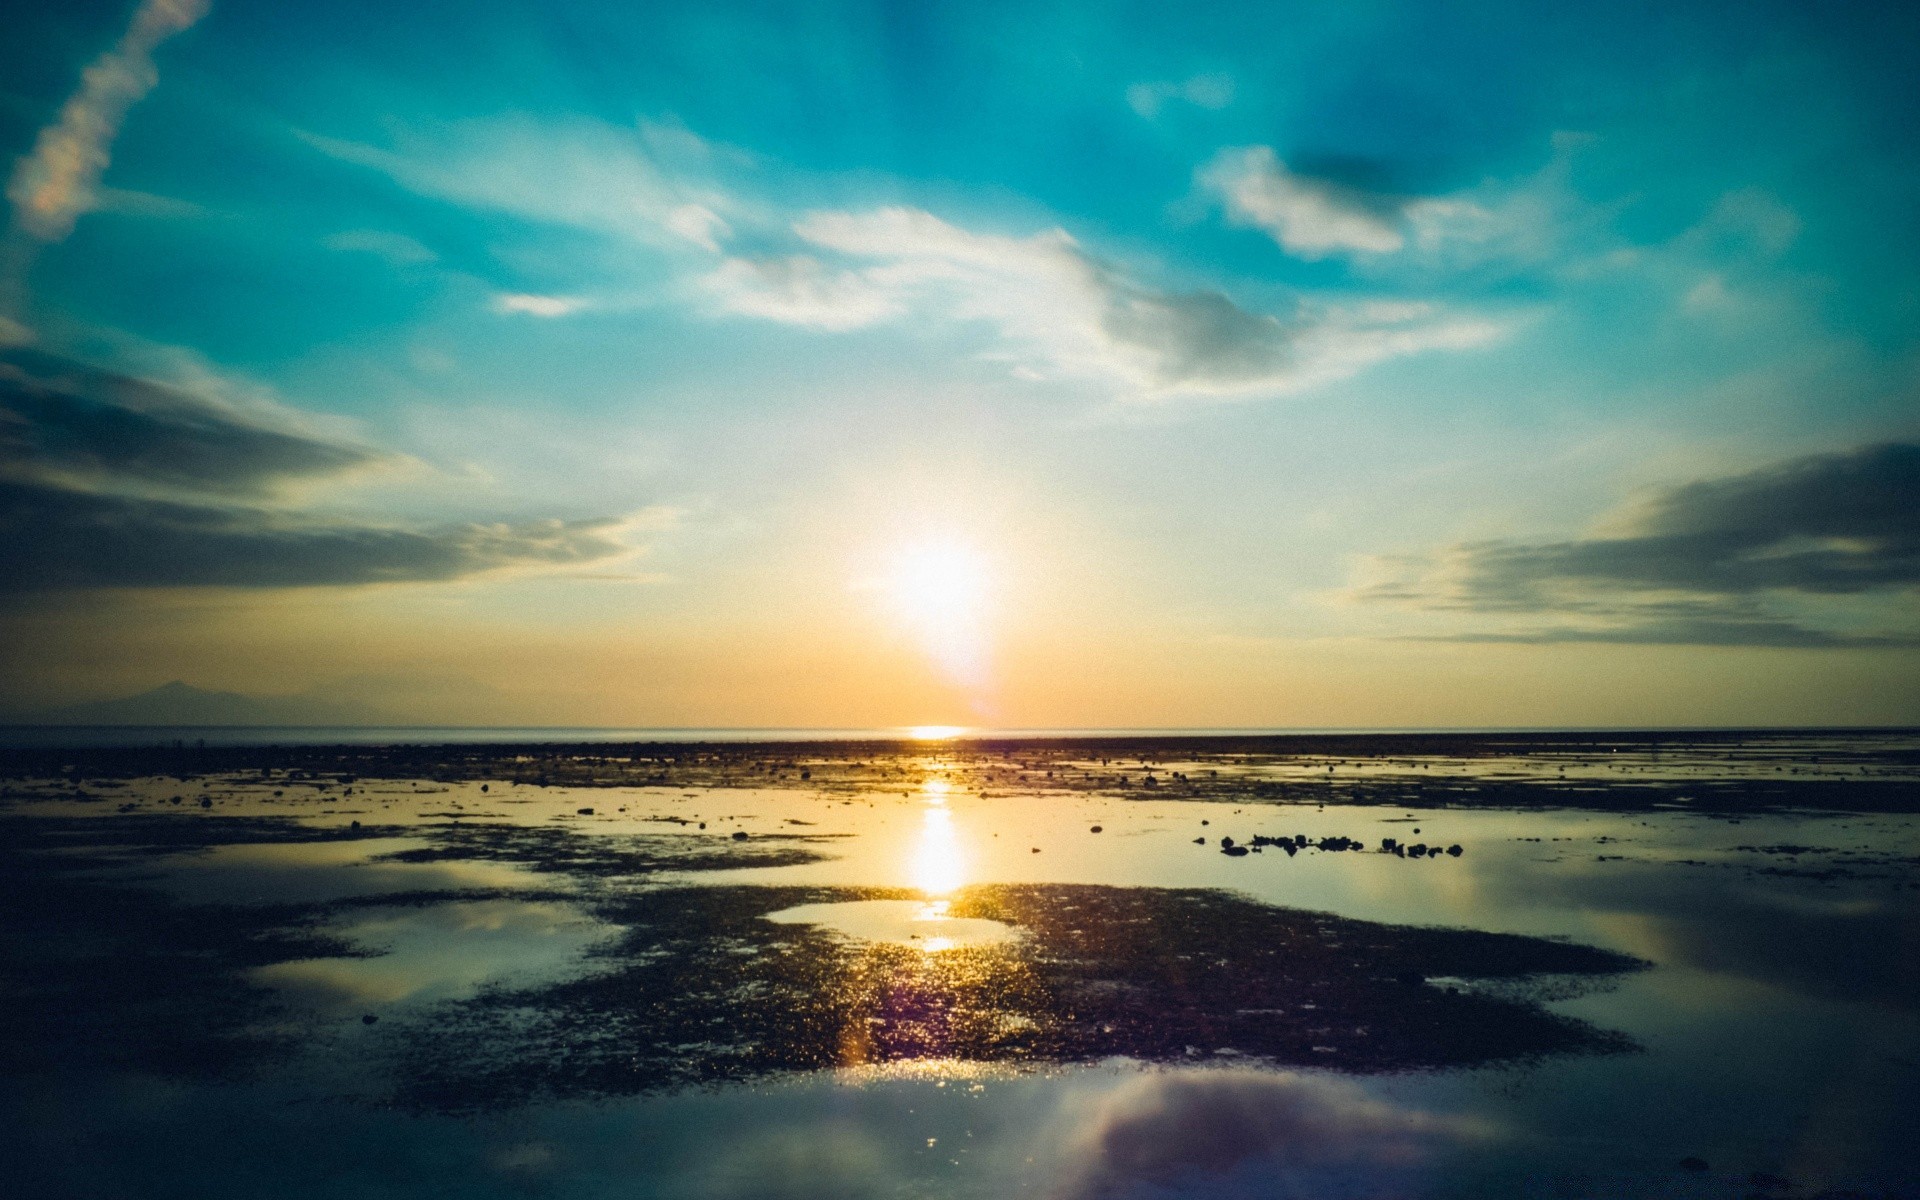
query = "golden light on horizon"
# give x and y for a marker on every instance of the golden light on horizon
(935, 733)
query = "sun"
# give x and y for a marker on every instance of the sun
(938, 586)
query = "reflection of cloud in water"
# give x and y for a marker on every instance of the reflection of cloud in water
(819, 1163)
(1302, 1135)
(311, 871)
(439, 952)
(1815, 944)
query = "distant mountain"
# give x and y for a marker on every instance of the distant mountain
(179, 703)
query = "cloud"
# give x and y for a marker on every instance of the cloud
(1730, 561)
(1307, 216)
(1203, 91)
(1059, 310)
(1317, 216)
(57, 182)
(799, 290)
(56, 538)
(63, 421)
(397, 248)
(1165, 1130)
(643, 184)
(109, 481)
(527, 304)
(1063, 312)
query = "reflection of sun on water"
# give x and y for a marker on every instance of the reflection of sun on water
(938, 865)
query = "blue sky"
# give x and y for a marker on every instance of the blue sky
(1340, 360)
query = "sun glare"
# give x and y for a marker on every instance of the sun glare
(935, 733)
(938, 586)
(940, 593)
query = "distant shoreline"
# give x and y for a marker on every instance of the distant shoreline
(108, 737)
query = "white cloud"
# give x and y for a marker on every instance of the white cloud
(527, 304)
(1309, 217)
(1203, 91)
(700, 225)
(799, 290)
(1057, 310)
(1061, 312)
(59, 180)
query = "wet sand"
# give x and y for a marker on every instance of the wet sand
(1401, 950)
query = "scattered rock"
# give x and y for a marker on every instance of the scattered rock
(1095, 829)
(739, 835)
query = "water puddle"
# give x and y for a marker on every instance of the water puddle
(923, 924)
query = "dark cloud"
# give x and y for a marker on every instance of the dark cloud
(1732, 561)
(109, 481)
(60, 419)
(1198, 337)
(56, 538)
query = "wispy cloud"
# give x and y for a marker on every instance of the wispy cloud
(644, 184)
(58, 180)
(1062, 311)
(527, 304)
(1778, 556)
(1203, 91)
(1057, 308)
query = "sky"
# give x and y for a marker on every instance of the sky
(1038, 364)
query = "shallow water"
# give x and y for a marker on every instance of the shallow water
(1773, 1032)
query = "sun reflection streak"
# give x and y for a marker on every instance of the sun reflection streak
(939, 865)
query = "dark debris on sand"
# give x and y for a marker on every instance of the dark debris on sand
(601, 855)
(1853, 771)
(100, 971)
(701, 989)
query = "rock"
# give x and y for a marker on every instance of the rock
(1455, 850)
(1036, 849)
(740, 835)
(1226, 843)
(483, 787)
(585, 812)
(1095, 829)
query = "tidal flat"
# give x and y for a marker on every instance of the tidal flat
(1675, 964)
